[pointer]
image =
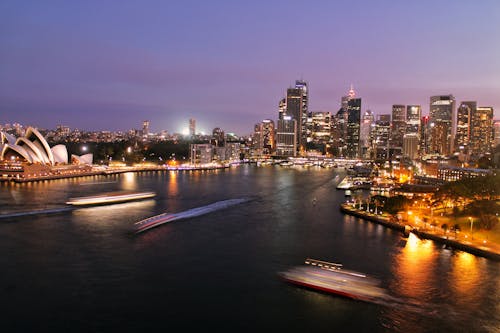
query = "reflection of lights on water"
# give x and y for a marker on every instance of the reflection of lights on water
(129, 181)
(465, 273)
(113, 208)
(414, 266)
(173, 186)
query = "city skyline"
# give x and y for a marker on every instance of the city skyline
(228, 65)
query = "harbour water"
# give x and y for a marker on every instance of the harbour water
(85, 270)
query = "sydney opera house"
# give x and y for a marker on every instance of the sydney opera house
(31, 156)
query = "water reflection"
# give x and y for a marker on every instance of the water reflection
(414, 269)
(173, 186)
(129, 181)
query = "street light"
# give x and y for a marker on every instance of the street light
(471, 223)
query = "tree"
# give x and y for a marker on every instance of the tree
(444, 226)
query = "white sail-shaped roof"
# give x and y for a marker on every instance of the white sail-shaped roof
(17, 151)
(84, 159)
(32, 149)
(60, 154)
(34, 136)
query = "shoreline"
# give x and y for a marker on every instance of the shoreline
(477, 251)
(107, 172)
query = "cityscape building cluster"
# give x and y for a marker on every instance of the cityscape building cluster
(468, 132)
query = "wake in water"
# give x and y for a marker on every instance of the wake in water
(37, 212)
(158, 220)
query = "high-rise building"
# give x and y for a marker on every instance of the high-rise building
(192, 127)
(442, 121)
(398, 128)
(320, 128)
(282, 108)
(424, 136)
(365, 133)
(286, 137)
(413, 118)
(339, 133)
(145, 128)
(381, 134)
(218, 137)
(353, 125)
(496, 133)
(411, 138)
(263, 138)
(481, 131)
(465, 111)
(296, 106)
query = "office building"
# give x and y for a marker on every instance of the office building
(286, 137)
(192, 127)
(398, 128)
(442, 121)
(481, 131)
(465, 111)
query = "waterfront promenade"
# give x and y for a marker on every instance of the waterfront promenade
(99, 170)
(490, 250)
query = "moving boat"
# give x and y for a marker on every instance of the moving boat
(110, 198)
(333, 279)
(160, 219)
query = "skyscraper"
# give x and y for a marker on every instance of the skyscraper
(320, 127)
(286, 137)
(381, 137)
(365, 133)
(481, 131)
(464, 116)
(296, 106)
(353, 125)
(192, 127)
(496, 133)
(411, 138)
(263, 138)
(145, 128)
(398, 128)
(218, 137)
(442, 121)
(413, 115)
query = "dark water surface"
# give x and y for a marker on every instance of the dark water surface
(83, 270)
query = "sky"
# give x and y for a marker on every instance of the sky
(109, 65)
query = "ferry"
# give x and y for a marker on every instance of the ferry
(160, 219)
(110, 198)
(333, 279)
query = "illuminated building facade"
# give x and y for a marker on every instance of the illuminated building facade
(381, 134)
(286, 137)
(218, 137)
(442, 121)
(353, 125)
(296, 107)
(365, 136)
(192, 127)
(263, 138)
(398, 128)
(145, 128)
(481, 131)
(465, 111)
(320, 127)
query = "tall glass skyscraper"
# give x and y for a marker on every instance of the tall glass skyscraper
(442, 124)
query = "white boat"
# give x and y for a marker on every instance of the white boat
(160, 219)
(110, 198)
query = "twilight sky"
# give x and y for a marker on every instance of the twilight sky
(112, 64)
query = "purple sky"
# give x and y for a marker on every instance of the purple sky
(112, 64)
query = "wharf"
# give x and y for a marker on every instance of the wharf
(482, 251)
